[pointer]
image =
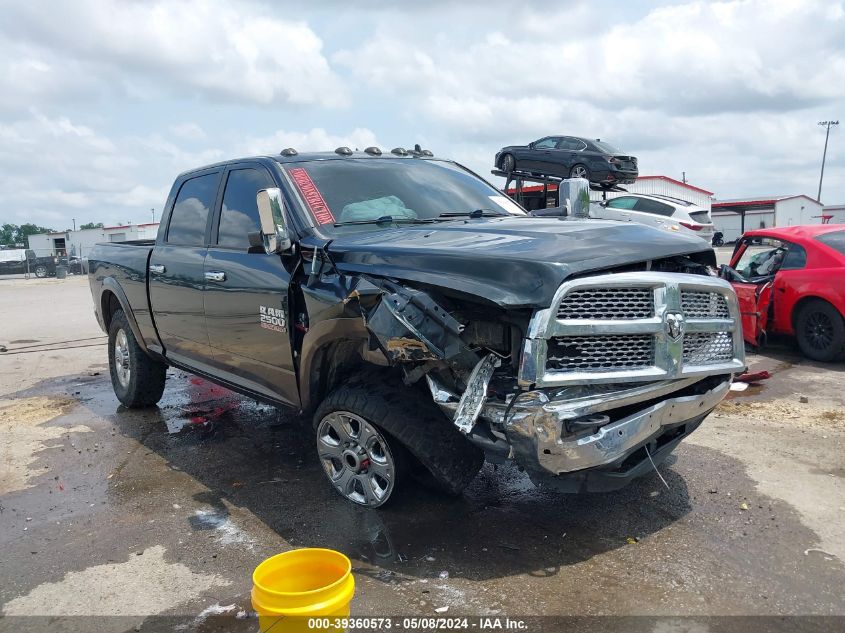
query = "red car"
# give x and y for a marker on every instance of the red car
(791, 280)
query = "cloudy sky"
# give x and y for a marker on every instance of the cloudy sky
(103, 103)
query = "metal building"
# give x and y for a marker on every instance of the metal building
(79, 243)
(833, 214)
(734, 217)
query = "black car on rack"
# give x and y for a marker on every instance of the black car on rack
(570, 157)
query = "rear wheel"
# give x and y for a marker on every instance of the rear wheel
(137, 379)
(579, 171)
(41, 271)
(374, 431)
(508, 163)
(820, 331)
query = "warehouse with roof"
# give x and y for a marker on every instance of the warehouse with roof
(79, 243)
(735, 216)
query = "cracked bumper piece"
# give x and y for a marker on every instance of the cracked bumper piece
(606, 457)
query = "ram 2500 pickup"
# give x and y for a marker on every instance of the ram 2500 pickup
(423, 319)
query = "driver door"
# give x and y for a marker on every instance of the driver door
(246, 294)
(754, 299)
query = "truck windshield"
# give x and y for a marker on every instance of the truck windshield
(384, 191)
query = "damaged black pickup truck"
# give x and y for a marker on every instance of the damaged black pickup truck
(423, 319)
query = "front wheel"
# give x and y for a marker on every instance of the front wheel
(41, 271)
(820, 331)
(360, 460)
(137, 379)
(508, 163)
(375, 433)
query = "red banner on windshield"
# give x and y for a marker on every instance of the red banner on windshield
(313, 197)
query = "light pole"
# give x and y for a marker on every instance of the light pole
(153, 211)
(827, 124)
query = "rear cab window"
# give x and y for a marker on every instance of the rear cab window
(189, 218)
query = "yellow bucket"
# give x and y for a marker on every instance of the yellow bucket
(295, 589)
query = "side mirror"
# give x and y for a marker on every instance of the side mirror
(531, 145)
(271, 210)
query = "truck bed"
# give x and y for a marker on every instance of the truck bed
(127, 264)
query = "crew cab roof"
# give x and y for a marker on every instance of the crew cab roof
(307, 156)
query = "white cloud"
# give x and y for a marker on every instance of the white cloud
(729, 91)
(242, 54)
(314, 140)
(188, 131)
(54, 167)
(102, 103)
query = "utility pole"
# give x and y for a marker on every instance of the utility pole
(684, 177)
(827, 124)
(74, 224)
(153, 212)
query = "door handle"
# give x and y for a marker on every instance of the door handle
(215, 276)
(157, 268)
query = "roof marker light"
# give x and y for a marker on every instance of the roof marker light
(373, 151)
(343, 151)
(399, 151)
(289, 151)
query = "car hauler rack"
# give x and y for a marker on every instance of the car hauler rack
(536, 197)
(519, 178)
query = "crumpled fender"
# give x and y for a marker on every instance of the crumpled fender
(409, 326)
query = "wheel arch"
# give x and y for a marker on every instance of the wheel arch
(332, 350)
(113, 298)
(803, 301)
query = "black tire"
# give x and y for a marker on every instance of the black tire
(576, 170)
(41, 271)
(508, 163)
(409, 417)
(144, 383)
(820, 331)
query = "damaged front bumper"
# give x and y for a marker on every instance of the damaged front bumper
(561, 436)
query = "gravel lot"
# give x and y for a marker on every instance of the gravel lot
(106, 511)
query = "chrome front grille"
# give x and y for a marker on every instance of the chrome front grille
(601, 353)
(696, 304)
(635, 326)
(607, 303)
(708, 348)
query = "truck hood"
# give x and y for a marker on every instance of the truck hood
(511, 261)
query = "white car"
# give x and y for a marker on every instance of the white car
(670, 214)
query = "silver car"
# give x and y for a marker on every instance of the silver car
(664, 212)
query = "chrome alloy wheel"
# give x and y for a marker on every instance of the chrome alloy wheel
(579, 171)
(356, 458)
(121, 359)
